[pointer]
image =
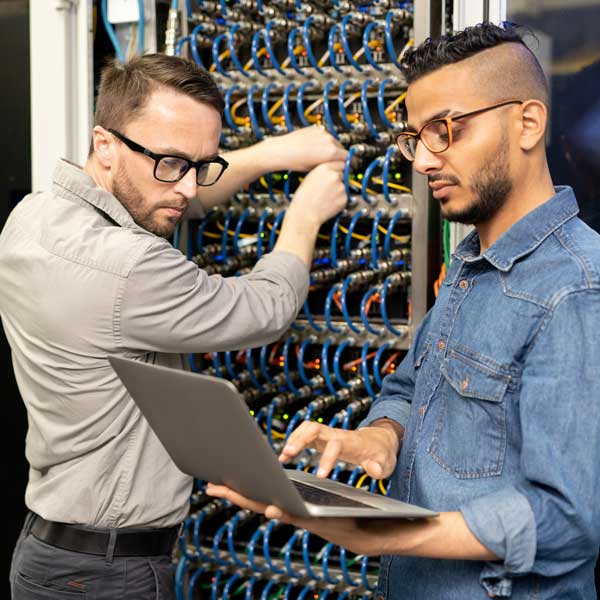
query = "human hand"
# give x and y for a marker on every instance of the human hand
(321, 195)
(373, 448)
(303, 149)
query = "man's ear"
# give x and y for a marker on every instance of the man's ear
(102, 141)
(534, 117)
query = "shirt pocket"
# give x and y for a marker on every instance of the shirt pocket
(469, 438)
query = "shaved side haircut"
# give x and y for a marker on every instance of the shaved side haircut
(501, 61)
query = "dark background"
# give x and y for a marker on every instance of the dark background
(571, 157)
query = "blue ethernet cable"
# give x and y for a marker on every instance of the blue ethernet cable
(335, 421)
(215, 546)
(344, 595)
(325, 366)
(217, 364)
(367, 177)
(387, 159)
(198, 519)
(227, 588)
(325, 565)
(334, 241)
(267, 589)
(303, 414)
(264, 367)
(269, 47)
(363, 573)
(227, 113)
(177, 236)
(266, 548)
(215, 54)
(180, 572)
(182, 540)
(188, 7)
(318, 328)
(232, 52)
(306, 556)
(376, 361)
(355, 218)
(355, 473)
(286, 367)
(238, 231)
(192, 583)
(345, 311)
(363, 312)
(365, 370)
(192, 363)
(264, 104)
(223, 4)
(300, 101)
(345, 573)
(186, 39)
(229, 365)
(347, 417)
(307, 46)
(231, 542)
(288, 178)
(269, 425)
(225, 233)
(260, 531)
(215, 585)
(141, 26)
(387, 243)
(383, 308)
(365, 44)
(346, 45)
(303, 376)
(252, 112)
(288, 121)
(288, 589)
(111, 32)
(250, 588)
(324, 594)
(189, 245)
(288, 558)
(342, 107)
(364, 99)
(306, 590)
(347, 169)
(290, 48)
(201, 228)
(375, 239)
(250, 368)
(194, 45)
(327, 109)
(381, 104)
(261, 232)
(389, 43)
(269, 179)
(331, 47)
(276, 225)
(327, 310)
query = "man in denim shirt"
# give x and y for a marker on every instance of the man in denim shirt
(495, 409)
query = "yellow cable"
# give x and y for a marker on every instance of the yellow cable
(277, 435)
(211, 235)
(358, 185)
(354, 235)
(381, 486)
(232, 233)
(307, 111)
(238, 120)
(319, 235)
(250, 63)
(272, 111)
(395, 186)
(400, 238)
(213, 67)
(361, 480)
(393, 105)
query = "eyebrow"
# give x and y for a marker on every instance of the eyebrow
(440, 115)
(175, 152)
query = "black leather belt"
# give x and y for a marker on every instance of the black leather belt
(127, 542)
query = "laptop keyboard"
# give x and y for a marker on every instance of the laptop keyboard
(325, 498)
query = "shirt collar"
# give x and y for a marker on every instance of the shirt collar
(525, 235)
(72, 182)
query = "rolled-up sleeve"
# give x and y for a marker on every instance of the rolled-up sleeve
(168, 304)
(398, 388)
(549, 522)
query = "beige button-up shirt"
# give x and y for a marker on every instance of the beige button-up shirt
(79, 280)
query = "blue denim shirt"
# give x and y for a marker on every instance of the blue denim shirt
(500, 399)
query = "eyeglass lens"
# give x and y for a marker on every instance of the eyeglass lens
(172, 168)
(434, 135)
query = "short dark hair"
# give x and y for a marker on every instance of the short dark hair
(434, 54)
(126, 87)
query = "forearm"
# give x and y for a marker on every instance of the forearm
(245, 165)
(446, 537)
(298, 236)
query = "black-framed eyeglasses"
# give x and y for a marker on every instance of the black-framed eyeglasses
(169, 169)
(437, 135)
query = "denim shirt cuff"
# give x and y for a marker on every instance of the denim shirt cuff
(387, 409)
(505, 524)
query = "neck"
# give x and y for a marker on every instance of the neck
(100, 175)
(525, 197)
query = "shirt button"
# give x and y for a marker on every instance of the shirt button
(463, 284)
(441, 345)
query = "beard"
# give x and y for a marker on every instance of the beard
(132, 199)
(491, 186)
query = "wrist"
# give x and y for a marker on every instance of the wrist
(395, 430)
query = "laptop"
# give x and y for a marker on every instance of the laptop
(206, 428)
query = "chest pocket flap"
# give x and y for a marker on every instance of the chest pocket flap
(473, 380)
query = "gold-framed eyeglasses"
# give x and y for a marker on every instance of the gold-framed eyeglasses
(437, 135)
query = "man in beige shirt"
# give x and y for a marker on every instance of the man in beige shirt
(86, 271)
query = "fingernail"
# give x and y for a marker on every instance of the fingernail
(321, 473)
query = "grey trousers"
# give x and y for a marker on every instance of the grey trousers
(43, 572)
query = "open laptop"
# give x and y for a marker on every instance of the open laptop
(206, 428)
